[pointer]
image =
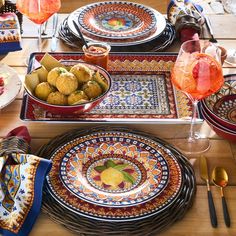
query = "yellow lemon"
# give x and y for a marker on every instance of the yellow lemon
(112, 177)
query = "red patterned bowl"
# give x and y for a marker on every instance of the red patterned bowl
(221, 106)
(78, 108)
(219, 129)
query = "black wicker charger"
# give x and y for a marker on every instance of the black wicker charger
(148, 226)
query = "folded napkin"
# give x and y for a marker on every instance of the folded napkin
(10, 37)
(21, 183)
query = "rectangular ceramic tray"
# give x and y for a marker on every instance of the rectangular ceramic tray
(141, 92)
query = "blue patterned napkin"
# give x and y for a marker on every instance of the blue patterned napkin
(10, 37)
(21, 183)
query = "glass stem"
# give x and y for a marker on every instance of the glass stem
(40, 38)
(193, 120)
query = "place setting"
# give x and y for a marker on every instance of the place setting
(104, 158)
(153, 181)
(123, 25)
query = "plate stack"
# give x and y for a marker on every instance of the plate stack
(219, 109)
(124, 25)
(120, 181)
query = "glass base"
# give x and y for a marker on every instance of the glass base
(194, 145)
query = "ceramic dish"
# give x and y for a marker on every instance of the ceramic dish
(161, 24)
(226, 108)
(10, 85)
(114, 176)
(163, 41)
(212, 103)
(117, 20)
(219, 129)
(80, 107)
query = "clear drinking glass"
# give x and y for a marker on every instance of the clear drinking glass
(197, 73)
(38, 11)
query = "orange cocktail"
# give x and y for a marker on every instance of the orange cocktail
(197, 73)
(38, 11)
(199, 76)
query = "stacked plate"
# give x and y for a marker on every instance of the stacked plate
(219, 109)
(121, 24)
(117, 179)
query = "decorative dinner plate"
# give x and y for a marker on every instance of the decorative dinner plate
(117, 19)
(163, 41)
(10, 85)
(128, 41)
(141, 92)
(113, 175)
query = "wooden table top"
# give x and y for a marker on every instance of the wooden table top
(222, 152)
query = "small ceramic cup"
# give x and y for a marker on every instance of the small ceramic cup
(97, 53)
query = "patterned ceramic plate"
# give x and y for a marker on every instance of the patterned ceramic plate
(10, 85)
(114, 175)
(117, 41)
(226, 108)
(222, 103)
(117, 19)
(163, 41)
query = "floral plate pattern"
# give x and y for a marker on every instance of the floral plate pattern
(117, 19)
(114, 176)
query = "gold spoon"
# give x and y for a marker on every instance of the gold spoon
(220, 179)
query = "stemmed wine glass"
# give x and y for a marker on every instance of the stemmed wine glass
(38, 11)
(197, 73)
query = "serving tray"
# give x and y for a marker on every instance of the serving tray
(141, 92)
(147, 218)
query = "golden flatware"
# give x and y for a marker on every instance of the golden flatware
(220, 179)
(204, 175)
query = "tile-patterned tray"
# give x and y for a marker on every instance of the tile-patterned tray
(141, 92)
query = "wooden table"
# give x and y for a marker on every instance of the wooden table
(221, 153)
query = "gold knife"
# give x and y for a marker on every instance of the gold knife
(204, 175)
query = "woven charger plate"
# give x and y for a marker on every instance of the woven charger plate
(149, 225)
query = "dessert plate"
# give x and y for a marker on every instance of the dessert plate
(117, 19)
(113, 175)
(10, 85)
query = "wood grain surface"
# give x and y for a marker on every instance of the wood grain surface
(221, 153)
